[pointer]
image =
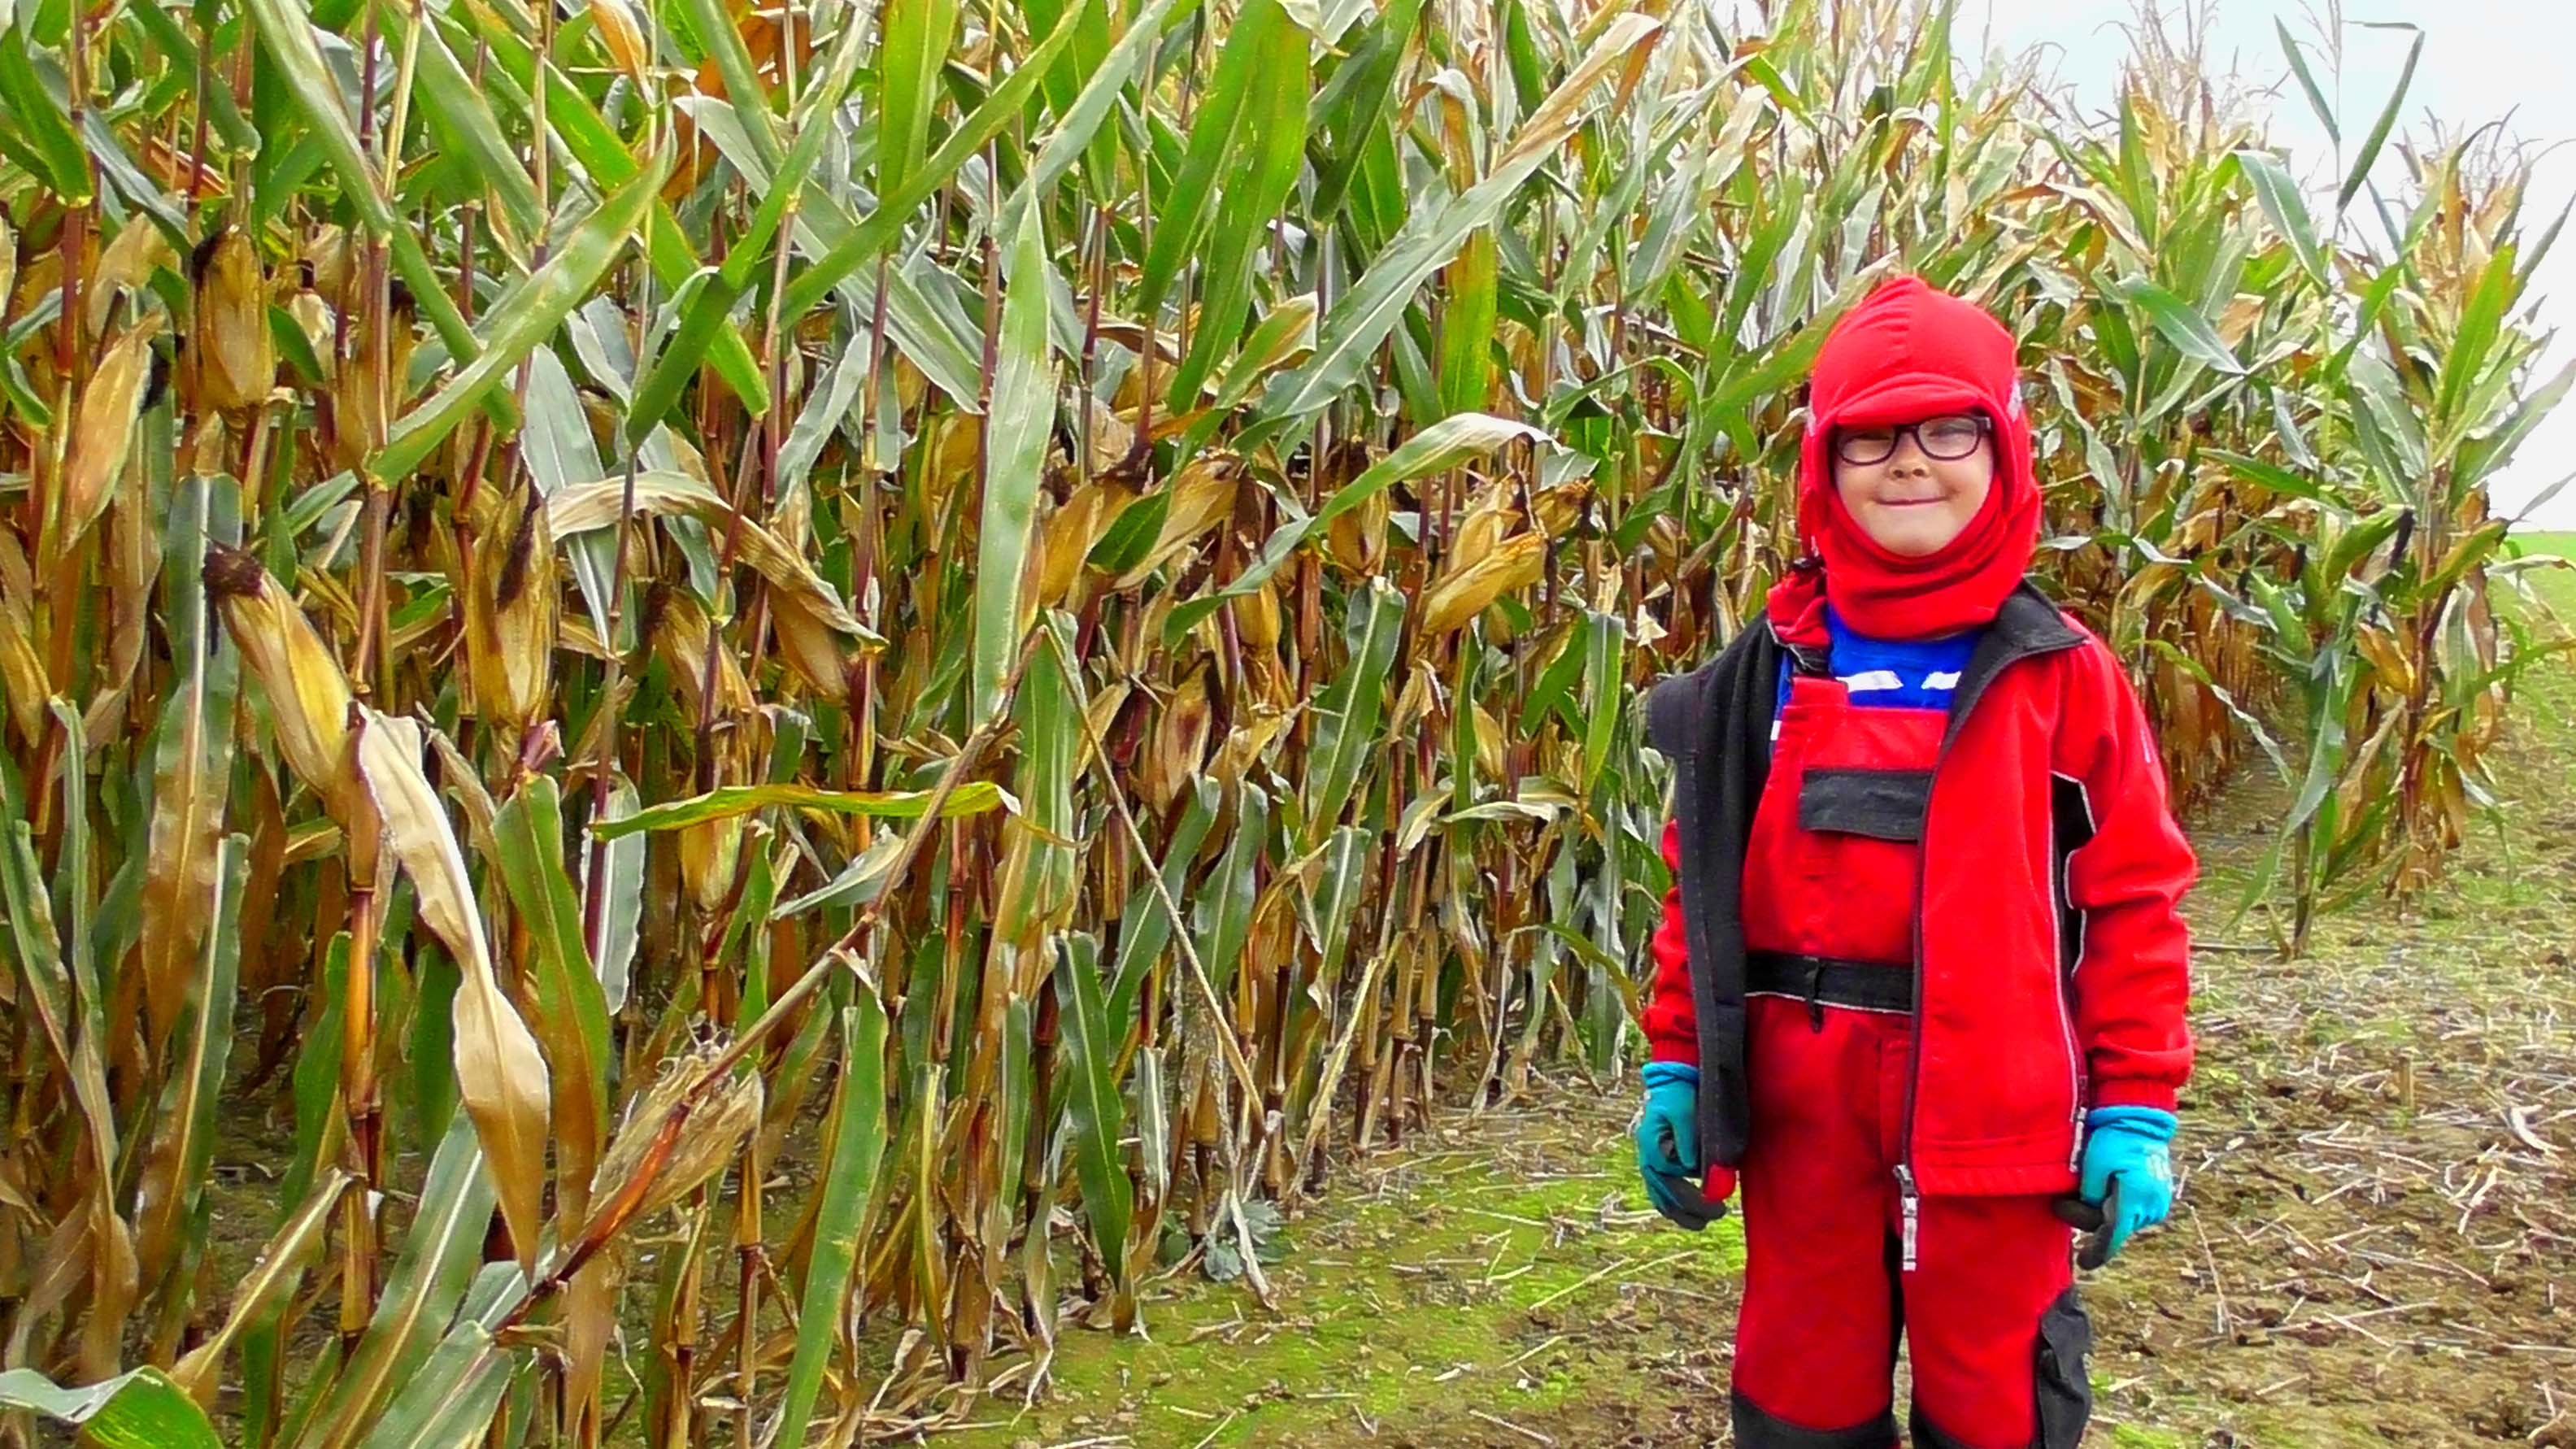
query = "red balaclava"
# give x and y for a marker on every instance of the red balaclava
(1907, 352)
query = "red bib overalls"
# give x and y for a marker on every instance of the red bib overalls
(1842, 1261)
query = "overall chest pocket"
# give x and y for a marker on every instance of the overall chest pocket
(1879, 804)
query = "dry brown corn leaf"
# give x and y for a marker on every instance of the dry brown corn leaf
(499, 1071)
(1068, 534)
(623, 38)
(125, 267)
(717, 1127)
(586, 506)
(1202, 497)
(1179, 743)
(22, 669)
(810, 644)
(680, 636)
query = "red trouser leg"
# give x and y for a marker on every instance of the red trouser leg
(1824, 1299)
(1815, 1342)
(1982, 1307)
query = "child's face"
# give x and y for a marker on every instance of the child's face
(1913, 487)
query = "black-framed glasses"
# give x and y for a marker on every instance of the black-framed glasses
(1949, 437)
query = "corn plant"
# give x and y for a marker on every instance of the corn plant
(774, 702)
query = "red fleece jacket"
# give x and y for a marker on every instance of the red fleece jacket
(2055, 962)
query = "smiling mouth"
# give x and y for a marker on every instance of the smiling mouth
(1907, 502)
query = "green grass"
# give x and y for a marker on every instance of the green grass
(1408, 1307)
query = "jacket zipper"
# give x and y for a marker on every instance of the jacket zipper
(1909, 1199)
(2066, 1024)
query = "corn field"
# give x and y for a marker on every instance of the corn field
(778, 697)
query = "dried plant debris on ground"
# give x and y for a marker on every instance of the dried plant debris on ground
(2376, 1242)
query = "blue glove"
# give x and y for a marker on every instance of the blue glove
(1668, 1147)
(2131, 1144)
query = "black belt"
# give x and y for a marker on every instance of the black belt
(1822, 981)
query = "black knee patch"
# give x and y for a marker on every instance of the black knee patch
(2062, 1394)
(1757, 1429)
(2065, 1394)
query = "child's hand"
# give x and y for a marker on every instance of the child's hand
(1668, 1149)
(2131, 1144)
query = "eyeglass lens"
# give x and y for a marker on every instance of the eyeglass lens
(1949, 437)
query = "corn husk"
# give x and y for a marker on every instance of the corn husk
(1464, 591)
(102, 435)
(229, 345)
(510, 633)
(308, 696)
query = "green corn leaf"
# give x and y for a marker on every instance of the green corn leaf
(1354, 105)
(1097, 1112)
(1346, 715)
(1336, 900)
(453, 1399)
(1222, 915)
(1015, 443)
(2279, 194)
(1356, 325)
(138, 1410)
(1605, 693)
(179, 1163)
(2473, 344)
(917, 37)
(571, 1016)
(460, 115)
(856, 1134)
(747, 256)
(2307, 80)
(2182, 326)
(588, 137)
(286, 34)
(1248, 48)
(972, 798)
(42, 132)
(1078, 123)
(522, 322)
(1269, 149)
(2368, 155)
(1146, 928)
(440, 1256)
(1000, 107)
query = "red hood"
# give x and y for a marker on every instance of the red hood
(1906, 352)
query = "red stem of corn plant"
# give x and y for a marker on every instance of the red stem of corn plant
(365, 1118)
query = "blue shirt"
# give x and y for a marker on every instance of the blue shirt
(1890, 673)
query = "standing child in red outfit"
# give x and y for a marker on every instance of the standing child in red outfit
(1922, 973)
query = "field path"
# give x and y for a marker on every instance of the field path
(2377, 1243)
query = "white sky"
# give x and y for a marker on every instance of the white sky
(2483, 60)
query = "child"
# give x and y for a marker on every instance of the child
(1922, 971)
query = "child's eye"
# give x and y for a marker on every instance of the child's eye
(1945, 434)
